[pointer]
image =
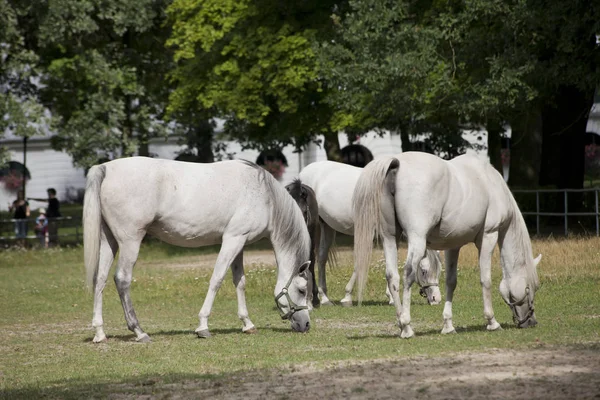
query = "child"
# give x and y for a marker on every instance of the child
(41, 228)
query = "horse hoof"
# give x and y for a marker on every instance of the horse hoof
(448, 331)
(494, 327)
(346, 303)
(391, 303)
(203, 334)
(102, 339)
(144, 339)
(250, 331)
(407, 332)
(327, 303)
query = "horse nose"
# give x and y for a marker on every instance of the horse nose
(307, 326)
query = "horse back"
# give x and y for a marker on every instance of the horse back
(333, 184)
(187, 204)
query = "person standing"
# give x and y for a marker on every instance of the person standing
(21, 210)
(52, 213)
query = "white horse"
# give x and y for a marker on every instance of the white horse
(445, 205)
(333, 184)
(192, 205)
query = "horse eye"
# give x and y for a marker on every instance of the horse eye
(302, 292)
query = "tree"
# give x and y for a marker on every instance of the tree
(20, 109)
(253, 63)
(417, 67)
(106, 67)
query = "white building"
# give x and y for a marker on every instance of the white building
(50, 168)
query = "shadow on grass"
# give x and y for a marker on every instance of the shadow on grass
(432, 332)
(281, 382)
(214, 332)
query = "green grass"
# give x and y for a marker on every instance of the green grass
(45, 321)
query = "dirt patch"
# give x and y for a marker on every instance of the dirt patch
(207, 261)
(556, 373)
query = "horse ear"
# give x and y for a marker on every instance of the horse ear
(304, 193)
(303, 268)
(537, 260)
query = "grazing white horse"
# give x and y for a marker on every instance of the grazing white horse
(445, 205)
(192, 205)
(333, 184)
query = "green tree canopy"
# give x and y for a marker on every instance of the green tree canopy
(106, 66)
(253, 63)
(20, 109)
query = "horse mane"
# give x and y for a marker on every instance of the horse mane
(435, 268)
(288, 226)
(524, 252)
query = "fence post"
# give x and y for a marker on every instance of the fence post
(537, 211)
(597, 219)
(566, 217)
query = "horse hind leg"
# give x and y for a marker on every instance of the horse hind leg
(314, 302)
(239, 281)
(127, 257)
(108, 250)
(416, 252)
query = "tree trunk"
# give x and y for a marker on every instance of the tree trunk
(525, 148)
(495, 131)
(143, 146)
(565, 122)
(405, 138)
(332, 146)
(205, 150)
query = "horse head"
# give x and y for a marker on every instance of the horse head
(428, 277)
(300, 193)
(292, 299)
(518, 293)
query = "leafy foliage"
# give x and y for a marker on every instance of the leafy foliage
(106, 64)
(253, 63)
(20, 108)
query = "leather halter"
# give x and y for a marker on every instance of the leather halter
(293, 306)
(529, 313)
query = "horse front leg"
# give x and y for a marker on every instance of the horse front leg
(239, 281)
(325, 242)
(486, 249)
(230, 248)
(108, 250)
(451, 257)
(128, 254)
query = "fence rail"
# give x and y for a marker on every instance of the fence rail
(69, 228)
(565, 213)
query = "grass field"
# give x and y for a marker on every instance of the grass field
(45, 321)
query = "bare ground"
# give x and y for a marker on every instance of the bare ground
(548, 373)
(545, 373)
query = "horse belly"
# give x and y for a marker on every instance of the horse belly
(454, 232)
(185, 235)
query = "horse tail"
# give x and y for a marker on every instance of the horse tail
(332, 255)
(92, 221)
(366, 203)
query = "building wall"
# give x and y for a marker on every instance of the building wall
(55, 169)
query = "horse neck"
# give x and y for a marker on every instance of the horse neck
(289, 235)
(515, 249)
